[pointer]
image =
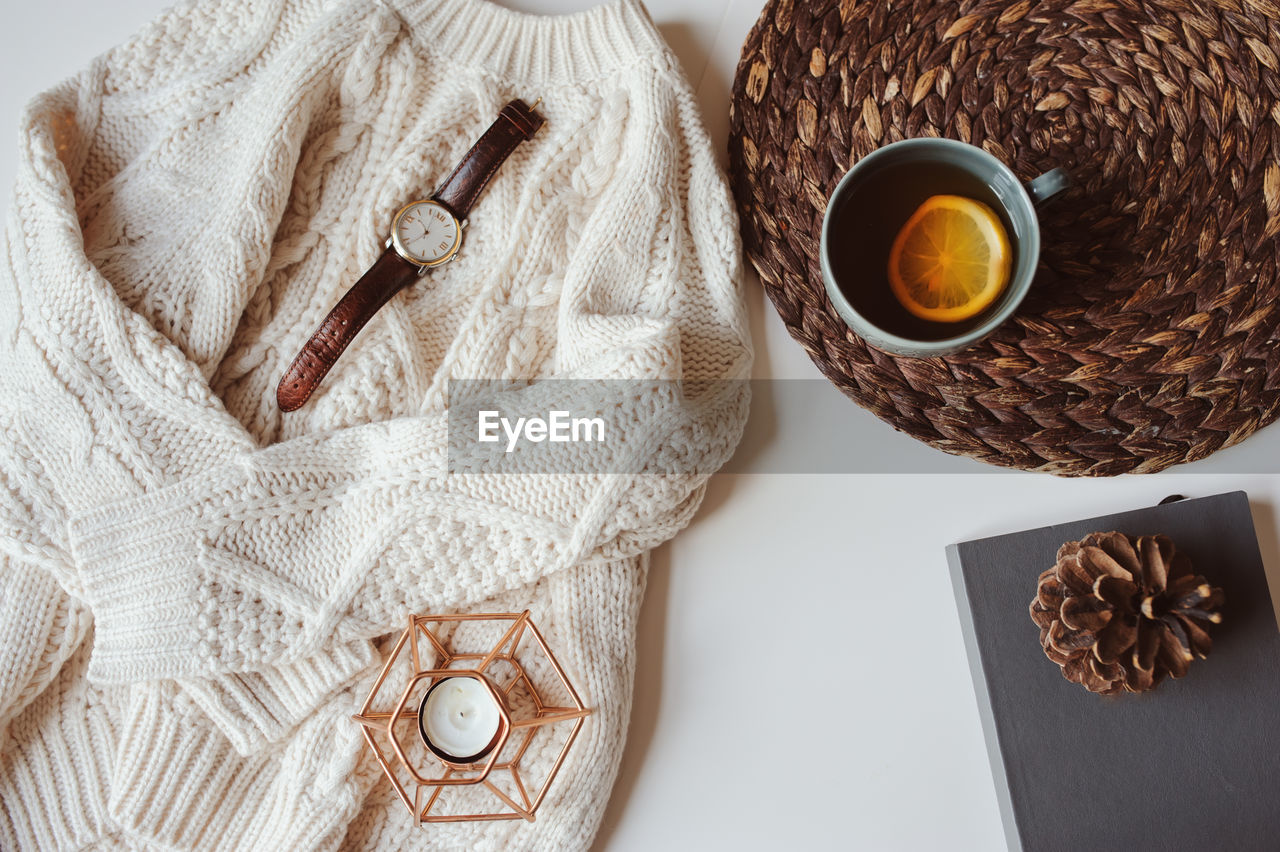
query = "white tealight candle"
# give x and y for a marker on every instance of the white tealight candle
(460, 718)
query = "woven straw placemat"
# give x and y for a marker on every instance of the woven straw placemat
(1149, 337)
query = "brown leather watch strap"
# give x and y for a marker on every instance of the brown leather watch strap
(515, 123)
(389, 274)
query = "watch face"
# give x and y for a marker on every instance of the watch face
(426, 233)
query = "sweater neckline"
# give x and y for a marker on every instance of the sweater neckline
(529, 48)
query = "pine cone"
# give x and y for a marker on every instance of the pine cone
(1119, 614)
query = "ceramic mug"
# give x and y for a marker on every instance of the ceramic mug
(876, 197)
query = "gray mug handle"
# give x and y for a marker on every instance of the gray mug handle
(1049, 184)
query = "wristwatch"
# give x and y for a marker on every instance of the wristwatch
(424, 234)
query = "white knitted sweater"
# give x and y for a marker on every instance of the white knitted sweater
(192, 585)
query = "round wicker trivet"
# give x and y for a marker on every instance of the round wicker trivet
(1149, 336)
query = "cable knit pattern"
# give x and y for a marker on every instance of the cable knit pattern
(193, 586)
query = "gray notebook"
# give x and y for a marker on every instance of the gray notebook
(1193, 765)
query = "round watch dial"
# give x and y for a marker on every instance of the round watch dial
(426, 233)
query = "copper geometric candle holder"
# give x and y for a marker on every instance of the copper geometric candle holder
(531, 723)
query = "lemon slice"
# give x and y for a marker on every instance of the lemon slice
(950, 260)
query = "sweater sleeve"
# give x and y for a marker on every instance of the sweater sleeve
(283, 551)
(60, 448)
(40, 626)
(41, 622)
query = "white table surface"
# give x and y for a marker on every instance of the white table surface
(802, 682)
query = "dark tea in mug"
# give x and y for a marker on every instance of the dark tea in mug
(868, 220)
(880, 194)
